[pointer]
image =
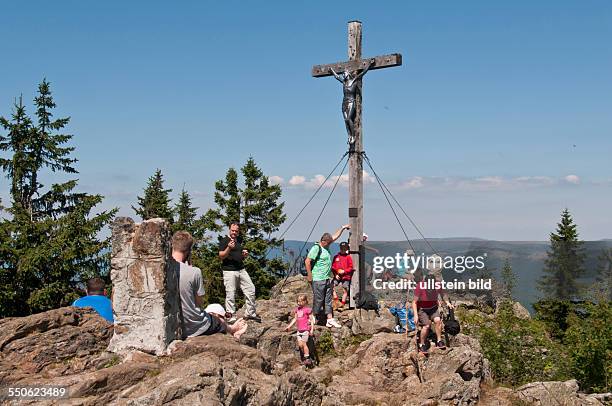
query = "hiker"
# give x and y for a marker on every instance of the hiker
(96, 298)
(304, 321)
(197, 322)
(234, 274)
(425, 309)
(342, 267)
(318, 267)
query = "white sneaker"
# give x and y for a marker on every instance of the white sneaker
(332, 323)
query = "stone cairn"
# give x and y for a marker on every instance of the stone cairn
(145, 286)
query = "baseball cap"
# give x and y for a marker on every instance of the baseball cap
(215, 308)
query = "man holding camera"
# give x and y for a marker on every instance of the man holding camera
(234, 274)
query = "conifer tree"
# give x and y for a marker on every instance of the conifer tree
(185, 214)
(49, 240)
(508, 279)
(564, 264)
(156, 199)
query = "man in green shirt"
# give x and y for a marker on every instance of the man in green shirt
(318, 265)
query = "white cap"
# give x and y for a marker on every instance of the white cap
(215, 308)
(365, 236)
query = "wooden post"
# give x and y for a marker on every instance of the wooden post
(356, 168)
(354, 64)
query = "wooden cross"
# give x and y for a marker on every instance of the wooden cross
(355, 63)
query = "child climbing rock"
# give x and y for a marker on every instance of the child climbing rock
(305, 321)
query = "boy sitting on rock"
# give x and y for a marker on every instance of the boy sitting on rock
(305, 321)
(342, 267)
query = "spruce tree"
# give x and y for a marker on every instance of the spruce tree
(257, 208)
(564, 264)
(156, 199)
(508, 279)
(49, 241)
(185, 214)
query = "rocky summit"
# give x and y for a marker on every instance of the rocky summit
(362, 363)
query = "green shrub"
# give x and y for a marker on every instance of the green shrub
(325, 344)
(355, 340)
(520, 351)
(589, 343)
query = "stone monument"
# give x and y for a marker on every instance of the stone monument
(146, 302)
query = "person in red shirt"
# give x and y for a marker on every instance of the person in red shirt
(342, 267)
(425, 309)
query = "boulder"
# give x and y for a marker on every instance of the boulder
(555, 393)
(386, 370)
(62, 341)
(371, 322)
(520, 311)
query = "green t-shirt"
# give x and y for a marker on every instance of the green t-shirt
(322, 268)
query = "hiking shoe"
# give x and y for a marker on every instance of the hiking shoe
(332, 323)
(440, 344)
(423, 348)
(307, 362)
(255, 318)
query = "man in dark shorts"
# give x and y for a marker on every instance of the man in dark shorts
(426, 311)
(232, 254)
(197, 322)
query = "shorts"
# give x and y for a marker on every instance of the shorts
(302, 336)
(344, 284)
(426, 316)
(322, 297)
(215, 326)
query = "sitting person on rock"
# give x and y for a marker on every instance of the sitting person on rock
(305, 321)
(342, 267)
(425, 309)
(197, 322)
(96, 298)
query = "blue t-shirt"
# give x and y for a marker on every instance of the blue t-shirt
(100, 303)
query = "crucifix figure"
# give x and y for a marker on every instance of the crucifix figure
(351, 82)
(350, 73)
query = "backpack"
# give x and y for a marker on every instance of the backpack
(367, 301)
(451, 325)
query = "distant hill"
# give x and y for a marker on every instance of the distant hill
(526, 257)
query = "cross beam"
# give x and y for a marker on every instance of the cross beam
(380, 62)
(354, 65)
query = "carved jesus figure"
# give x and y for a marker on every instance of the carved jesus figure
(350, 87)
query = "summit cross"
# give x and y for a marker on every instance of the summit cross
(351, 73)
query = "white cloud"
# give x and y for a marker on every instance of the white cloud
(276, 180)
(413, 183)
(572, 179)
(491, 181)
(480, 183)
(297, 180)
(317, 180)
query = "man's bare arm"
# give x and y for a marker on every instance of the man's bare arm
(339, 232)
(308, 264)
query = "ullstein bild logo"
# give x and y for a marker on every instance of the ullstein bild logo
(411, 263)
(430, 284)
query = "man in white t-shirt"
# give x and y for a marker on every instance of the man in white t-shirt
(196, 321)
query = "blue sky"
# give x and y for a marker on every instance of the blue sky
(499, 118)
